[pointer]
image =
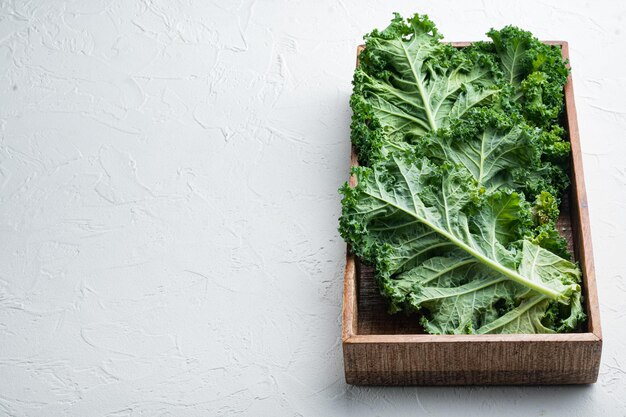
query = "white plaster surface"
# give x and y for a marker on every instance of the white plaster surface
(168, 205)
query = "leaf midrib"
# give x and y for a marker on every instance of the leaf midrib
(515, 55)
(420, 88)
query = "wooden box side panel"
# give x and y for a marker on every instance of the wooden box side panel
(472, 363)
(579, 215)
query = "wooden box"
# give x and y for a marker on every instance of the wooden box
(383, 349)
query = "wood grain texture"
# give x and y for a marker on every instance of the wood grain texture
(384, 349)
(470, 362)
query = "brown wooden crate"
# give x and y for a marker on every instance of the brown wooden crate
(383, 349)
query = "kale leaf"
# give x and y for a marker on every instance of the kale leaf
(438, 242)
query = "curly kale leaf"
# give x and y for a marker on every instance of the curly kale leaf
(535, 70)
(535, 73)
(409, 83)
(439, 244)
(496, 149)
(500, 150)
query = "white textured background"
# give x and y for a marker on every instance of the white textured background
(168, 205)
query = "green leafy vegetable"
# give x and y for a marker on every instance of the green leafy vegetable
(534, 70)
(457, 140)
(437, 243)
(411, 86)
(496, 149)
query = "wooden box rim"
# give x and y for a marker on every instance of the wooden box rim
(594, 333)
